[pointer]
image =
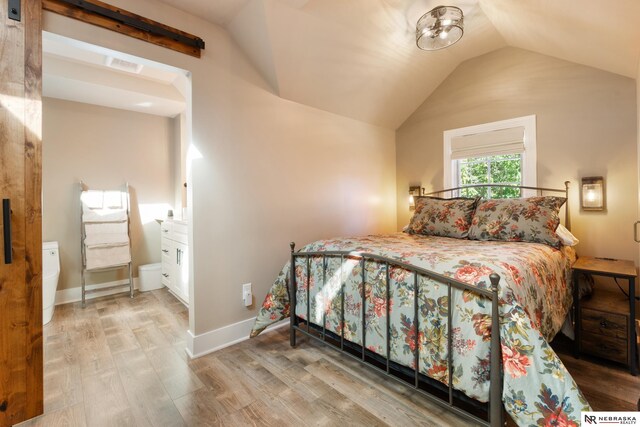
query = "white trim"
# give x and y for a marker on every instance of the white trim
(529, 157)
(200, 345)
(65, 296)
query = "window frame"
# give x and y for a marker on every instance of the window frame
(529, 157)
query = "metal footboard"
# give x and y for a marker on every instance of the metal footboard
(495, 411)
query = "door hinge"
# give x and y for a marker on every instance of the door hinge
(14, 9)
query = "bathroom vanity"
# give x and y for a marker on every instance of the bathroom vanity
(175, 258)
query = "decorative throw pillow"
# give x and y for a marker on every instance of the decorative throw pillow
(533, 219)
(442, 217)
(566, 237)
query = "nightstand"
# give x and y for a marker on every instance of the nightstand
(605, 323)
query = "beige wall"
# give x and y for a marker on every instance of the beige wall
(586, 126)
(271, 170)
(105, 148)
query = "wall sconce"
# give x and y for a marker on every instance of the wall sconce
(414, 191)
(593, 193)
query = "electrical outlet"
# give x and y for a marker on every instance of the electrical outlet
(247, 296)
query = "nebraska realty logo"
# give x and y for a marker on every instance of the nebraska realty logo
(610, 418)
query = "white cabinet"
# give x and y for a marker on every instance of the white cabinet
(175, 258)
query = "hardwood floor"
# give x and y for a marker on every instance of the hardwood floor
(121, 362)
(606, 385)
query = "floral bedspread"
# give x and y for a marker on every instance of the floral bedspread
(535, 297)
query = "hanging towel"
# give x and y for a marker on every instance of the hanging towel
(93, 228)
(106, 240)
(92, 199)
(104, 206)
(114, 200)
(103, 257)
(104, 215)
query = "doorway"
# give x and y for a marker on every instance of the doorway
(110, 119)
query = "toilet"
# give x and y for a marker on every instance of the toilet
(50, 275)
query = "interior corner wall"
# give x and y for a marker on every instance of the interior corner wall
(269, 171)
(105, 148)
(586, 126)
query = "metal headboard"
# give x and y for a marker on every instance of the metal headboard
(567, 219)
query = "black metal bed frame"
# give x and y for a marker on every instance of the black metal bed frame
(452, 400)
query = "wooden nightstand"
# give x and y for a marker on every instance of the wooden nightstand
(605, 323)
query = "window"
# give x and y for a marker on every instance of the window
(500, 169)
(492, 153)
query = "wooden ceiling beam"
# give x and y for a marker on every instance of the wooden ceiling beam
(104, 15)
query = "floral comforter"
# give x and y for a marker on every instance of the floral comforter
(535, 297)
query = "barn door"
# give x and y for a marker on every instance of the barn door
(21, 395)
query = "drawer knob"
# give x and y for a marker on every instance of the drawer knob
(165, 274)
(603, 324)
(165, 251)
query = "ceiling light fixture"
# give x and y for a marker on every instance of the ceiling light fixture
(441, 27)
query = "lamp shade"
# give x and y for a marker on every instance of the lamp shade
(593, 193)
(440, 27)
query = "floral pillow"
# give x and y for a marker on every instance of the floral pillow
(533, 219)
(442, 217)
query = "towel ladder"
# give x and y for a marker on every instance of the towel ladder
(85, 270)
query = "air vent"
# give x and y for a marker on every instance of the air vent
(122, 65)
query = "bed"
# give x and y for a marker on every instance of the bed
(422, 308)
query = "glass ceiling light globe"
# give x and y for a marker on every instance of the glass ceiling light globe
(439, 28)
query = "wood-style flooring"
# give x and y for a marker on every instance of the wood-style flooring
(121, 362)
(607, 386)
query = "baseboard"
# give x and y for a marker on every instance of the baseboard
(200, 345)
(65, 296)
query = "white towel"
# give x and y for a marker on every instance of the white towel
(106, 240)
(93, 228)
(92, 199)
(104, 206)
(115, 200)
(103, 257)
(104, 215)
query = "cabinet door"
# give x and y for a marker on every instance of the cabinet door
(182, 271)
(21, 392)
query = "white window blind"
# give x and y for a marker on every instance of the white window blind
(485, 144)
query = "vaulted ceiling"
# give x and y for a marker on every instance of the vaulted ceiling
(358, 58)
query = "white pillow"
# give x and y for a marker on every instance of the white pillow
(566, 237)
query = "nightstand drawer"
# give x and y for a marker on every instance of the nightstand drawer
(604, 346)
(604, 323)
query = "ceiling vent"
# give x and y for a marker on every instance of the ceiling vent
(122, 65)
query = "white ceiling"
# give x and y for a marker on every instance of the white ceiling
(600, 33)
(78, 72)
(358, 58)
(217, 11)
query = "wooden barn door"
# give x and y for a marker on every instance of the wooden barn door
(21, 393)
